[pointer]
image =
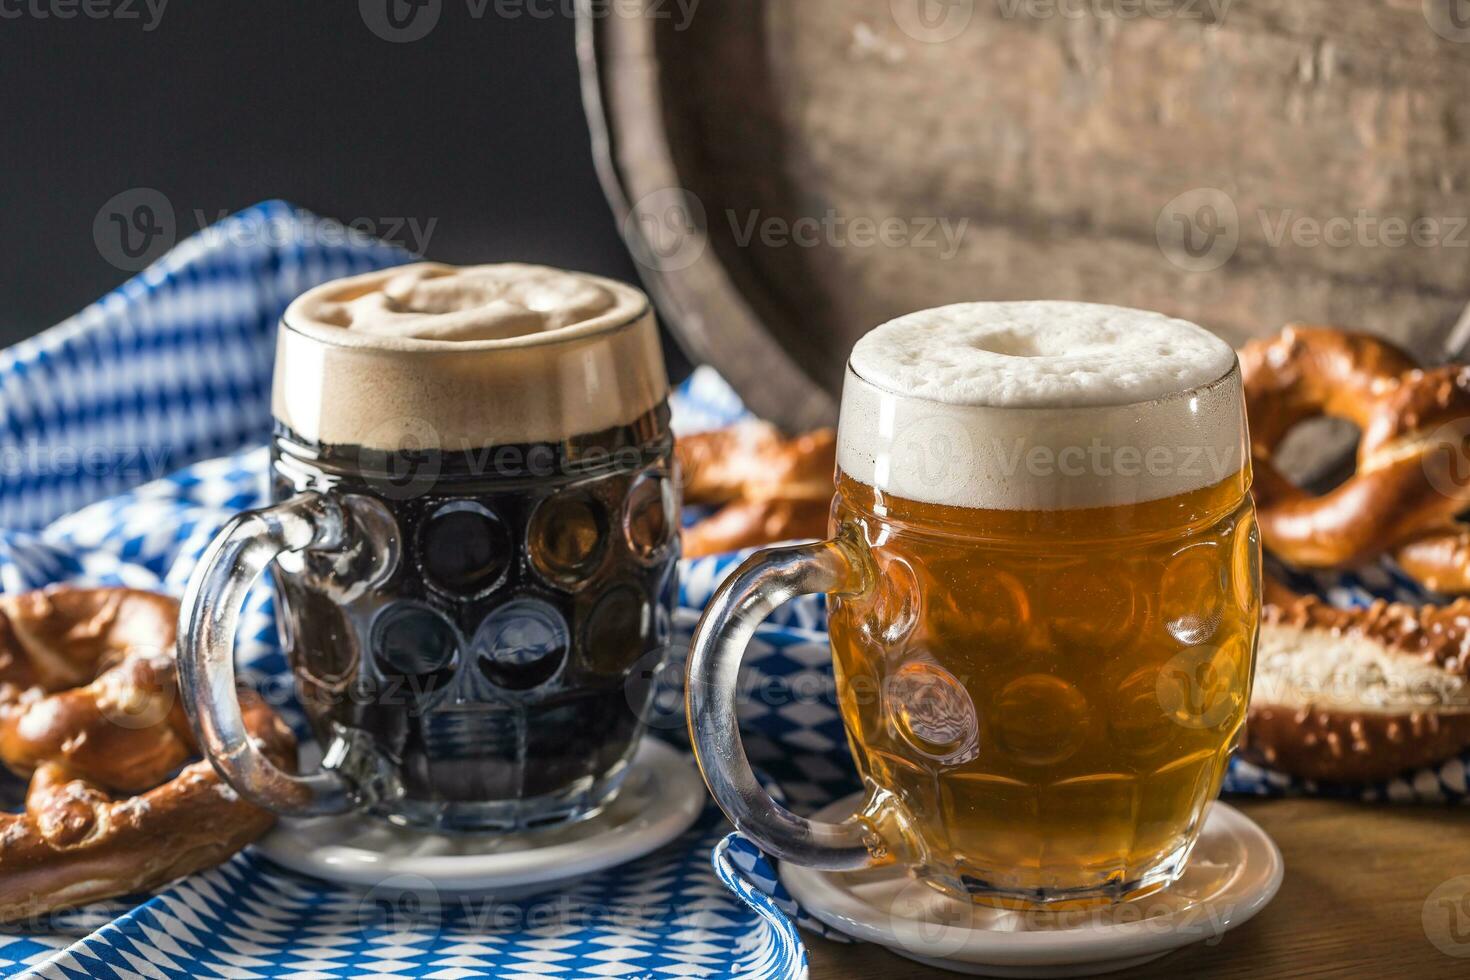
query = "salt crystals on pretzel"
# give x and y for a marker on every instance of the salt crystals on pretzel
(1354, 695)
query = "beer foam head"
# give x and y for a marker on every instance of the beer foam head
(443, 303)
(461, 358)
(1041, 406)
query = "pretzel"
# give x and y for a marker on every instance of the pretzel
(752, 523)
(90, 711)
(1353, 695)
(1405, 491)
(754, 461)
(772, 488)
(1439, 559)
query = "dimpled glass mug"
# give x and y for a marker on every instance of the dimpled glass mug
(1044, 584)
(473, 548)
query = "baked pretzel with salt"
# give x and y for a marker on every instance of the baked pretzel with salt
(1406, 491)
(1355, 695)
(90, 712)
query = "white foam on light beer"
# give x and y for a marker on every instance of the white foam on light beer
(435, 356)
(1041, 406)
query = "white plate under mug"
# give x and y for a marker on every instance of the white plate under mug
(661, 797)
(1234, 871)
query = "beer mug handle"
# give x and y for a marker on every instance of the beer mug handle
(207, 622)
(761, 584)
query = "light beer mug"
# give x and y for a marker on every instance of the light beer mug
(1044, 584)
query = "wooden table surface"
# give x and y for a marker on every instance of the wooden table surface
(1358, 880)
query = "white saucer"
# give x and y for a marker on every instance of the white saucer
(1234, 871)
(661, 797)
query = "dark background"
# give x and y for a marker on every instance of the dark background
(478, 127)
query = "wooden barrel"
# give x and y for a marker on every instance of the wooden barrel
(790, 173)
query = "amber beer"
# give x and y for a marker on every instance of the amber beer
(1049, 697)
(1045, 587)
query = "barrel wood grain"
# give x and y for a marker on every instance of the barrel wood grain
(1060, 142)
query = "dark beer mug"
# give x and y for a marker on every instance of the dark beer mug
(473, 548)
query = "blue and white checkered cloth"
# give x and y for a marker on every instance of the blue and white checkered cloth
(112, 430)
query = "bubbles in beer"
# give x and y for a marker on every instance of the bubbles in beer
(1136, 719)
(1094, 607)
(1040, 719)
(567, 536)
(975, 600)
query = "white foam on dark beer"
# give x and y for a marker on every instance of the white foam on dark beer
(1041, 406)
(435, 356)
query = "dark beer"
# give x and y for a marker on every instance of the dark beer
(476, 652)
(493, 660)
